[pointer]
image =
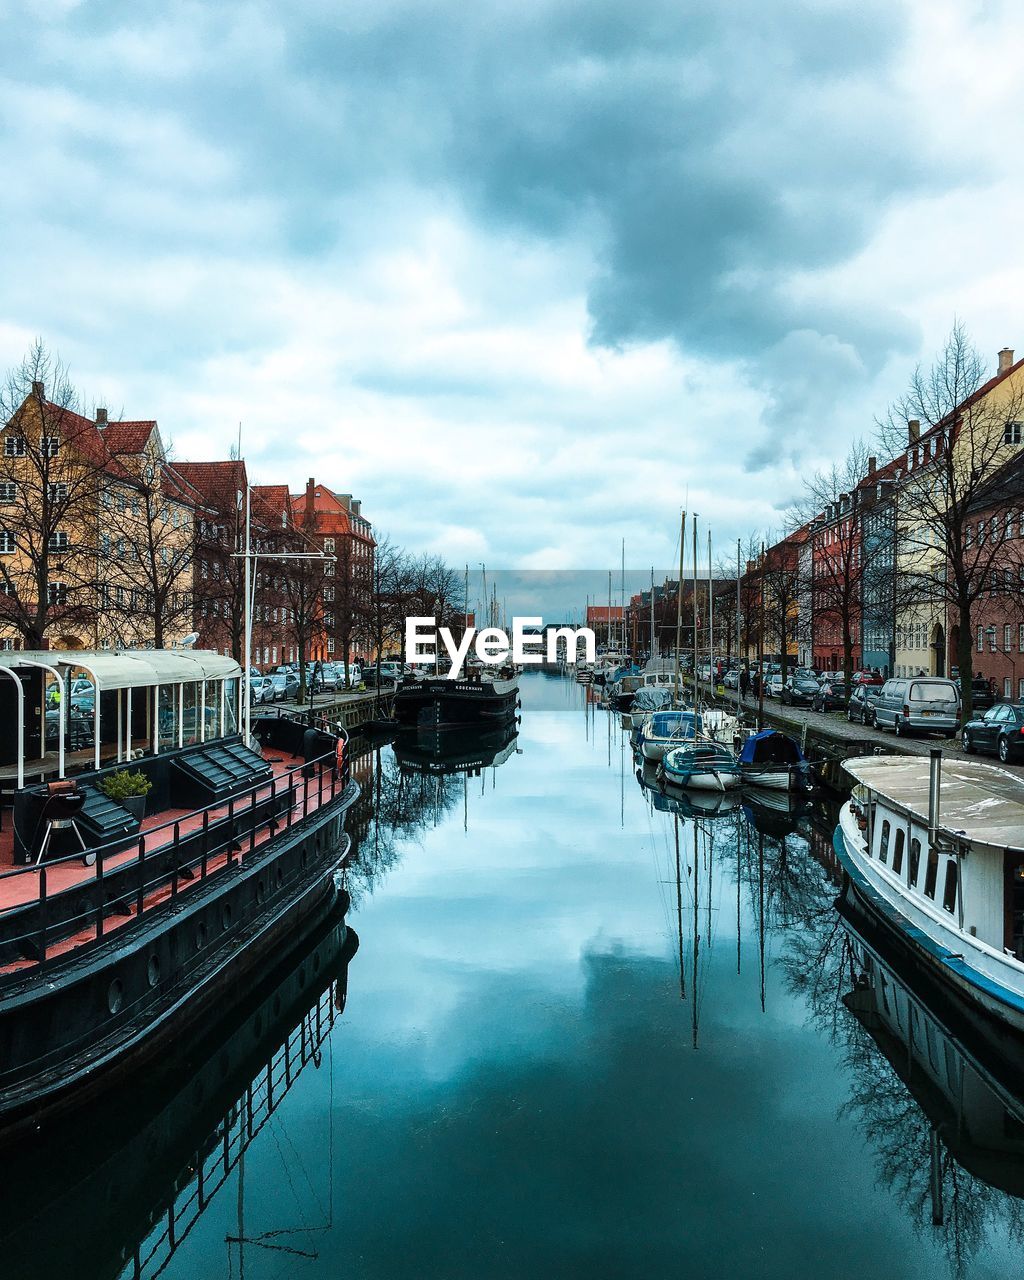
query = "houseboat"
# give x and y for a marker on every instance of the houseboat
(935, 850)
(469, 752)
(119, 927)
(435, 702)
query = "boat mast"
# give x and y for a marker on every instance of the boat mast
(652, 615)
(608, 630)
(465, 598)
(738, 659)
(696, 677)
(622, 598)
(679, 912)
(711, 618)
(679, 605)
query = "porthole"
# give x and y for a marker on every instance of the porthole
(115, 996)
(200, 936)
(153, 970)
(261, 891)
(225, 915)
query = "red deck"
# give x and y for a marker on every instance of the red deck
(17, 890)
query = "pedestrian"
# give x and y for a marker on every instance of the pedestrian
(744, 683)
(755, 682)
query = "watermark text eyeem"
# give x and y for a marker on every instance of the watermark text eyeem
(425, 642)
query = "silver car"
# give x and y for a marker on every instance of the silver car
(919, 704)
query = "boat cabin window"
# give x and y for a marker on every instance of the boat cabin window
(897, 853)
(915, 863)
(931, 873)
(949, 888)
(883, 844)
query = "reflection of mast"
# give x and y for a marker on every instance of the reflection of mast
(679, 913)
(935, 1152)
(760, 909)
(696, 934)
(739, 841)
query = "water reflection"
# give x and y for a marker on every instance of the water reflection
(119, 1190)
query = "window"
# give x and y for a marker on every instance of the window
(329, 595)
(204, 572)
(57, 542)
(1007, 637)
(56, 593)
(49, 446)
(981, 637)
(273, 654)
(1007, 687)
(330, 645)
(328, 546)
(883, 844)
(8, 545)
(15, 447)
(931, 873)
(915, 862)
(897, 853)
(8, 492)
(981, 533)
(1011, 433)
(1020, 689)
(949, 886)
(57, 492)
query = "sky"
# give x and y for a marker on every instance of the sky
(527, 278)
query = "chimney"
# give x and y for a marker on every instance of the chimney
(310, 503)
(872, 466)
(1005, 359)
(913, 430)
(37, 389)
(101, 418)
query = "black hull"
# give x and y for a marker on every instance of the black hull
(111, 1175)
(455, 704)
(70, 1033)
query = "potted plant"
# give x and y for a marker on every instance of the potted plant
(128, 789)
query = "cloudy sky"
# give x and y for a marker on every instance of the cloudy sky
(523, 276)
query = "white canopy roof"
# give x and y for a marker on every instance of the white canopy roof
(131, 668)
(984, 803)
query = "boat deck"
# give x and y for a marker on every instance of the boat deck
(18, 890)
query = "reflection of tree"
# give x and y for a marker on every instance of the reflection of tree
(819, 966)
(400, 806)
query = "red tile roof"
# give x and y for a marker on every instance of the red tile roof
(127, 437)
(219, 483)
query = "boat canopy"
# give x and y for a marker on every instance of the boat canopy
(665, 723)
(770, 747)
(137, 669)
(979, 801)
(651, 699)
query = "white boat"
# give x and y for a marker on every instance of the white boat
(664, 730)
(700, 765)
(936, 851)
(774, 760)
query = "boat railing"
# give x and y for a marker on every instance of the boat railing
(213, 1164)
(127, 883)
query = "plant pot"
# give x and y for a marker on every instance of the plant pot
(136, 806)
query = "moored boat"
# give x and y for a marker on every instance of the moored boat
(439, 703)
(936, 852)
(702, 765)
(118, 930)
(774, 760)
(664, 730)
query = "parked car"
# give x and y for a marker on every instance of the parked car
(833, 694)
(285, 687)
(261, 689)
(799, 691)
(1000, 730)
(982, 696)
(861, 707)
(731, 679)
(867, 678)
(773, 685)
(924, 703)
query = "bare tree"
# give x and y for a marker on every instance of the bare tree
(954, 431)
(830, 512)
(53, 471)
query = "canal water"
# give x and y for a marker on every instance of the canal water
(587, 1032)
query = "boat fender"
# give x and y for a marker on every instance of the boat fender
(339, 755)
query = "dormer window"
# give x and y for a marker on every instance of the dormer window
(1011, 433)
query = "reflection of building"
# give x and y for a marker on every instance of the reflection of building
(132, 1180)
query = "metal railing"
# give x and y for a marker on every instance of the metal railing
(194, 855)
